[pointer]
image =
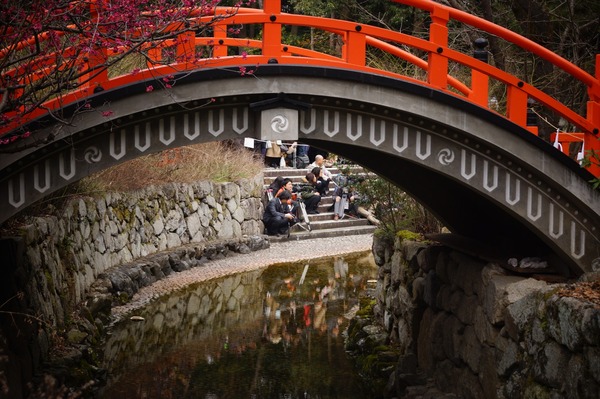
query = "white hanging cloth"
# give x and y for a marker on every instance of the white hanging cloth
(248, 142)
(581, 153)
(557, 144)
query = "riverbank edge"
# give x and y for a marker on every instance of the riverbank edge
(77, 365)
(242, 261)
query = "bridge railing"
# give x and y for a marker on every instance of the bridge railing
(433, 56)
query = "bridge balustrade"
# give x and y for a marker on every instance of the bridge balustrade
(427, 123)
(433, 56)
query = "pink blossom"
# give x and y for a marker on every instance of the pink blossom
(26, 134)
(74, 39)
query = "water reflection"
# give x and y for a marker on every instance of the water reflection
(272, 333)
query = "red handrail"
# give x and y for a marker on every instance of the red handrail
(592, 82)
(357, 38)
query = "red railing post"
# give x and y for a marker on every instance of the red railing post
(480, 87)
(272, 30)
(219, 34)
(154, 56)
(186, 46)
(592, 141)
(516, 106)
(95, 58)
(438, 34)
(98, 74)
(355, 47)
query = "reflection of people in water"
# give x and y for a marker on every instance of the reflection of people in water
(273, 322)
(335, 309)
(319, 320)
(292, 309)
(307, 316)
(340, 267)
(297, 315)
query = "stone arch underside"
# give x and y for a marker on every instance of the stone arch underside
(483, 176)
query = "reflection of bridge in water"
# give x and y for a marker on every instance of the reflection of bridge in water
(485, 174)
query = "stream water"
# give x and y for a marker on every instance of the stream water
(271, 333)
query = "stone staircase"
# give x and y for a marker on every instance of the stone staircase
(322, 224)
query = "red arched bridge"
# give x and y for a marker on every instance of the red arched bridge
(483, 171)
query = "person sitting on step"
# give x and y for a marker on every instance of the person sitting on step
(344, 202)
(319, 162)
(287, 185)
(274, 188)
(322, 185)
(277, 218)
(309, 194)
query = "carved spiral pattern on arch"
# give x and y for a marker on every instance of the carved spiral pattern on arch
(279, 124)
(446, 156)
(92, 154)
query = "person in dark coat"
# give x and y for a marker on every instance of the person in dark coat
(309, 194)
(277, 218)
(322, 182)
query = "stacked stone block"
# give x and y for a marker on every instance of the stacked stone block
(479, 332)
(65, 254)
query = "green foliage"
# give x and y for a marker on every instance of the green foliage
(374, 12)
(381, 13)
(366, 307)
(320, 8)
(395, 209)
(592, 157)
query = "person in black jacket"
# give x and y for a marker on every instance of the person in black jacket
(309, 193)
(277, 218)
(321, 183)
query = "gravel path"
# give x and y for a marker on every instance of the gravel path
(279, 251)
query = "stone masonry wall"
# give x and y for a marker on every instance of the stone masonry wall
(479, 332)
(65, 254)
(59, 261)
(191, 312)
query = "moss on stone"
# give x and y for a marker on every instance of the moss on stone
(409, 235)
(123, 298)
(535, 391)
(49, 279)
(366, 307)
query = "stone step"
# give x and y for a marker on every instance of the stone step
(323, 214)
(274, 172)
(325, 233)
(294, 178)
(326, 202)
(322, 224)
(296, 175)
(325, 221)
